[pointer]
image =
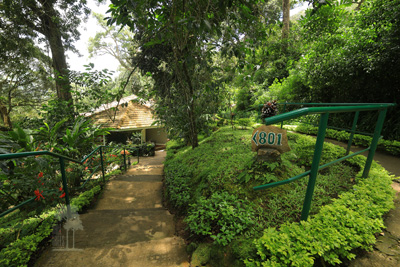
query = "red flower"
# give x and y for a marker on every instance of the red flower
(39, 181)
(38, 194)
(60, 188)
(86, 168)
(42, 183)
(63, 195)
(40, 175)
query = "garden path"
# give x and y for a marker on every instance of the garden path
(128, 226)
(387, 248)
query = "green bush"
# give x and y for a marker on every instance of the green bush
(222, 217)
(33, 231)
(333, 234)
(177, 188)
(144, 149)
(223, 167)
(244, 122)
(19, 252)
(392, 147)
(85, 198)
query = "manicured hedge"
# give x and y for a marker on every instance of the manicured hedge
(19, 252)
(392, 147)
(334, 233)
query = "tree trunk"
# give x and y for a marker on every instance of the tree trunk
(286, 18)
(193, 128)
(51, 31)
(192, 116)
(5, 115)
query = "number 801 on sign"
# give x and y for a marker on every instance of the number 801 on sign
(264, 138)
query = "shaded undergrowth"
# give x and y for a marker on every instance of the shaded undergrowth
(212, 186)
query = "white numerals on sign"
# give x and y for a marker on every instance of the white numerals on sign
(267, 138)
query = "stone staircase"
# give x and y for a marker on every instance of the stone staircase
(128, 226)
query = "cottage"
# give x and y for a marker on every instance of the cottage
(128, 117)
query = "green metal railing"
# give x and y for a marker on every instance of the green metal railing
(323, 123)
(352, 131)
(62, 160)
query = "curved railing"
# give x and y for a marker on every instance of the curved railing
(323, 123)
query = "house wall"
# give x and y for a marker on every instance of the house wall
(157, 135)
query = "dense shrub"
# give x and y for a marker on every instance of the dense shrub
(392, 147)
(212, 186)
(349, 56)
(333, 234)
(32, 231)
(222, 217)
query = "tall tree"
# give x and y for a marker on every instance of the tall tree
(54, 21)
(112, 41)
(177, 42)
(24, 73)
(285, 18)
(120, 44)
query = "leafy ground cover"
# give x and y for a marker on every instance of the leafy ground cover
(211, 186)
(23, 235)
(390, 146)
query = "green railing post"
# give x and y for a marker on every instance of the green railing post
(65, 186)
(353, 129)
(315, 165)
(374, 142)
(284, 110)
(102, 165)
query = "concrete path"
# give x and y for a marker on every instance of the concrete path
(128, 226)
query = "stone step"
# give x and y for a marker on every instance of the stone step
(140, 178)
(167, 252)
(102, 228)
(146, 170)
(125, 194)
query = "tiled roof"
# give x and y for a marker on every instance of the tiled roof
(135, 115)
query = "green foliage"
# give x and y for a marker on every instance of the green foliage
(177, 184)
(392, 147)
(349, 57)
(21, 140)
(201, 255)
(80, 139)
(244, 122)
(207, 168)
(19, 252)
(24, 178)
(178, 48)
(222, 217)
(348, 223)
(243, 99)
(85, 198)
(208, 183)
(20, 240)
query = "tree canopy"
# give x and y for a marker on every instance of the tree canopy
(52, 21)
(177, 43)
